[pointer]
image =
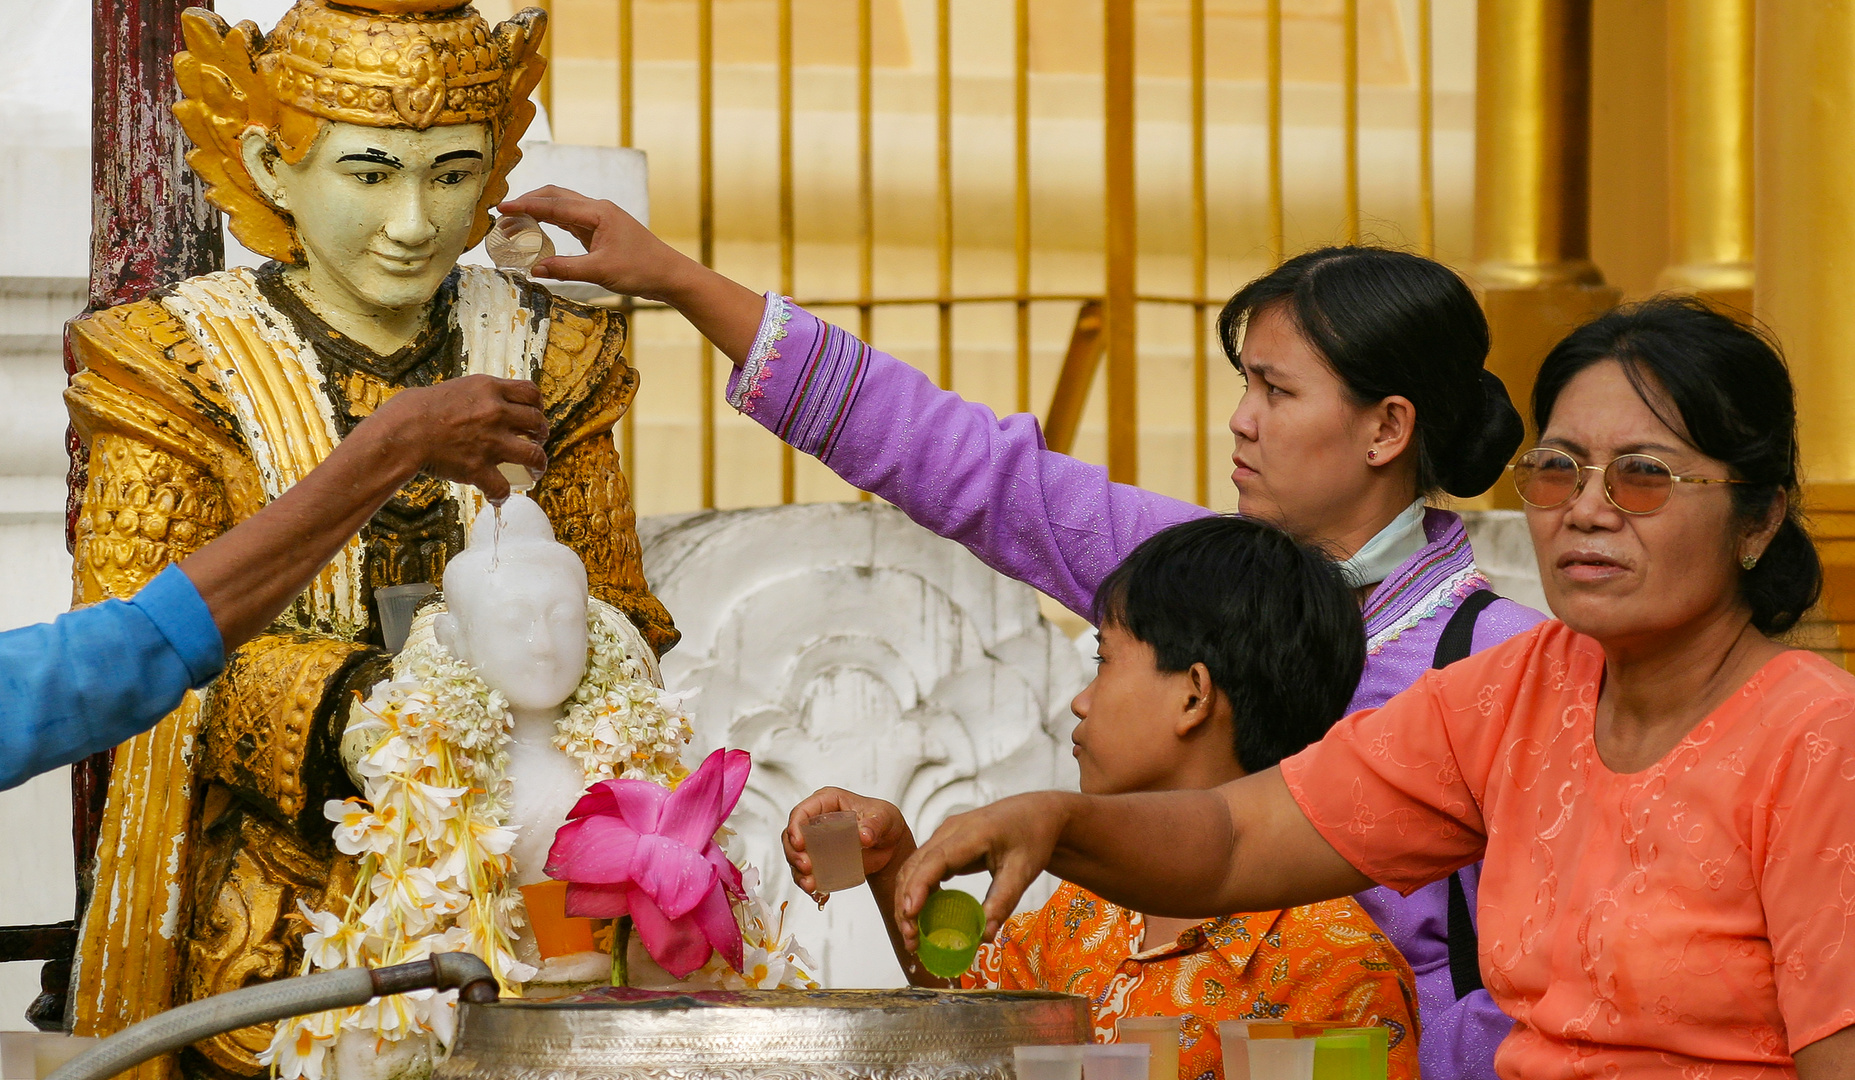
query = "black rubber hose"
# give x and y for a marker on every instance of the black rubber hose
(278, 1000)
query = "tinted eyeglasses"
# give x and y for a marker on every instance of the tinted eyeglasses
(1634, 483)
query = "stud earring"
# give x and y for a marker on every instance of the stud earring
(1749, 561)
(1371, 455)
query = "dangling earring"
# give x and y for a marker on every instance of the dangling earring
(1749, 561)
(1371, 455)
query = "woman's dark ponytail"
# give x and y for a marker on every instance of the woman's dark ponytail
(1391, 323)
(1732, 397)
(1787, 581)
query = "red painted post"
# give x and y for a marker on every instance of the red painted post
(150, 223)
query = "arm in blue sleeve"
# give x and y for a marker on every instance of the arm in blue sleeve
(95, 677)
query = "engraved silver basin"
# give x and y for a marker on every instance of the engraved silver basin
(623, 1034)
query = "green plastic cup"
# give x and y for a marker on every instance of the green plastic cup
(1352, 1054)
(951, 925)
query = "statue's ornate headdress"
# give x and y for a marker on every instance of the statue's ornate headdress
(380, 63)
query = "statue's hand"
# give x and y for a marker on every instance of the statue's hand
(462, 429)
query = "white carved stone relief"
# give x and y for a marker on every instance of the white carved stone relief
(1504, 552)
(841, 644)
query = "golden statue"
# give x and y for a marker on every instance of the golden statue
(360, 145)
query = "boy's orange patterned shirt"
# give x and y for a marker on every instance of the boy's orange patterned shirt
(1320, 963)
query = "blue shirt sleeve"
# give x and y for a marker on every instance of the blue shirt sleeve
(95, 677)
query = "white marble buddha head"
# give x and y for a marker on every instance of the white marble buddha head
(516, 609)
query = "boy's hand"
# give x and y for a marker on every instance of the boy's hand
(887, 841)
(622, 256)
(1013, 838)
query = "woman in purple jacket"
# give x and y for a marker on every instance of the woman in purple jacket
(1366, 393)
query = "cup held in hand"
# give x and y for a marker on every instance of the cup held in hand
(951, 924)
(835, 844)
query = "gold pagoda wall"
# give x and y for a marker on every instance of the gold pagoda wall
(1606, 151)
(1068, 227)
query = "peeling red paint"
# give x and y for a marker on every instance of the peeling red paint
(150, 224)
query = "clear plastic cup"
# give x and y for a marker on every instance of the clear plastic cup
(1282, 1059)
(520, 477)
(1234, 1037)
(1161, 1034)
(1047, 1062)
(397, 604)
(1116, 1061)
(836, 849)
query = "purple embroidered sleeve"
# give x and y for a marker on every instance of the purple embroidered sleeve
(952, 465)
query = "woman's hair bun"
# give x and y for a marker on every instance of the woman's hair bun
(1390, 323)
(1483, 445)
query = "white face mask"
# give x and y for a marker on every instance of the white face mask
(1384, 553)
(382, 213)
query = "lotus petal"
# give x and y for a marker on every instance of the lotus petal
(674, 875)
(705, 798)
(597, 800)
(585, 901)
(716, 918)
(729, 873)
(598, 849)
(679, 947)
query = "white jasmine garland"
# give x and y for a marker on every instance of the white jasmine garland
(431, 829)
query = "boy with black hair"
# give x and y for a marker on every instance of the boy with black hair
(1225, 646)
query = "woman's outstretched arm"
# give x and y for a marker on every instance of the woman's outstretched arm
(1245, 846)
(624, 257)
(952, 465)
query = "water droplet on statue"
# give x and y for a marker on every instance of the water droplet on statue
(516, 243)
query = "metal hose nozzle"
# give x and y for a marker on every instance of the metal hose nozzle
(279, 1000)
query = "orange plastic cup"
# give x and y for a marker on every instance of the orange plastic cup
(555, 934)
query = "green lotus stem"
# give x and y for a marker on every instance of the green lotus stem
(621, 943)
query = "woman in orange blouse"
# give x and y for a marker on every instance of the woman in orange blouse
(1663, 793)
(1224, 646)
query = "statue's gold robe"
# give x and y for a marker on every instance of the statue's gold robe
(198, 406)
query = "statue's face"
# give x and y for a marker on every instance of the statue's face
(382, 213)
(522, 625)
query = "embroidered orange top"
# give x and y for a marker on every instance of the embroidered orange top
(1323, 962)
(1692, 919)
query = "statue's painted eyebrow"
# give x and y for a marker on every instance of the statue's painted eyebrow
(373, 157)
(457, 155)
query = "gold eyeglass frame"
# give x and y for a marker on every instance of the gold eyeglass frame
(1604, 471)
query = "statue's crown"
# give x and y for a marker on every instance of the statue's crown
(390, 63)
(376, 63)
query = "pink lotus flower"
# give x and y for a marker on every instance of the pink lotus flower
(631, 847)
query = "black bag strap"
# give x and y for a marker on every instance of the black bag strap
(1458, 638)
(1464, 950)
(1457, 641)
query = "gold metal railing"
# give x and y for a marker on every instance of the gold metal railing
(1107, 323)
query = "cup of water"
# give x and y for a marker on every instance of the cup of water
(835, 845)
(397, 604)
(1047, 1062)
(1161, 1034)
(1116, 1061)
(1356, 1053)
(1265, 1051)
(951, 924)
